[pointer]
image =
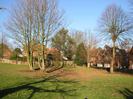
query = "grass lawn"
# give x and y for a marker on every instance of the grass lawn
(16, 82)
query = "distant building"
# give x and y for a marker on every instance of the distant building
(103, 57)
(5, 51)
(53, 51)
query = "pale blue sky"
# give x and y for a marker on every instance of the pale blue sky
(84, 14)
(79, 14)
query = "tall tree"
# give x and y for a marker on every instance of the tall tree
(79, 37)
(91, 42)
(2, 47)
(115, 24)
(3, 42)
(63, 42)
(81, 55)
(32, 22)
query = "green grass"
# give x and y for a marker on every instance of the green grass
(15, 85)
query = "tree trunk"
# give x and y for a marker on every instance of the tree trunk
(2, 50)
(88, 58)
(43, 64)
(39, 62)
(88, 64)
(31, 67)
(29, 63)
(16, 59)
(113, 58)
(43, 58)
(29, 59)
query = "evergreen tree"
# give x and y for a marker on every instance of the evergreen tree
(81, 55)
(63, 42)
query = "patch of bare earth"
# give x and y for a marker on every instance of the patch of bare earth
(84, 74)
(29, 73)
(76, 74)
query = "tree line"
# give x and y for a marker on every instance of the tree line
(32, 22)
(37, 24)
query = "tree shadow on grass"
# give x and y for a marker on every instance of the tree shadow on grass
(125, 71)
(128, 94)
(66, 90)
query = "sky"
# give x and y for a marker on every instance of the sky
(84, 14)
(80, 15)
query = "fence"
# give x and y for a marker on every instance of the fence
(12, 61)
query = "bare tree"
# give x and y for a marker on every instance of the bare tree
(2, 40)
(78, 36)
(91, 42)
(2, 45)
(32, 23)
(115, 24)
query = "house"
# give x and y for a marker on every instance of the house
(53, 51)
(92, 56)
(103, 57)
(5, 51)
